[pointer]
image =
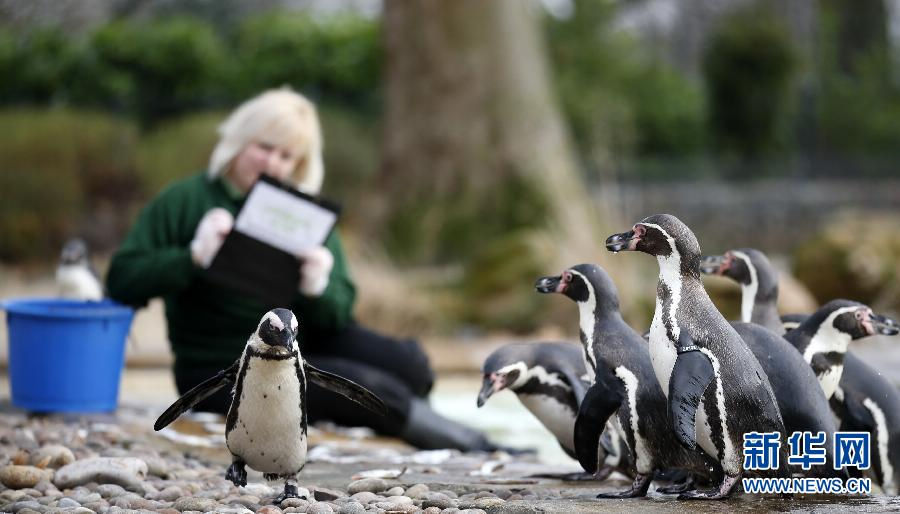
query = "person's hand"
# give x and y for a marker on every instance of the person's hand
(315, 267)
(211, 232)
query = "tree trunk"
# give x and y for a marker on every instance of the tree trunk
(474, 145)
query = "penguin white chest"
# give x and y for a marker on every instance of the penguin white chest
(557, 417)
(829, 380)
(78, 283)
(662, 352)
(268, 433)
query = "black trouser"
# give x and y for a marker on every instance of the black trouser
(395, 370)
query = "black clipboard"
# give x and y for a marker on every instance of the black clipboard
(257, 268)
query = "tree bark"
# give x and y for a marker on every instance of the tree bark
(474, 145)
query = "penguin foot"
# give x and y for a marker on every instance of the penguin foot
(638, 488)
(677, 488)
(290, 491)
(237, 473)
(721, 493)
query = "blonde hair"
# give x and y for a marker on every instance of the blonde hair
(280, 117)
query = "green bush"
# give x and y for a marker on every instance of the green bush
(163, 68)
(335, 59)
(56, 166)
(749, 68)
(175, 149)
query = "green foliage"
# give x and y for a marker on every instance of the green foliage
(55, 166)
(175, 149)
(619, 102)
(749, 68)
(171, 65)
(336, 59)
(351, 156)
(859, 98)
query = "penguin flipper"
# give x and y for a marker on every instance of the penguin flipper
(347, 388)
(197, 394)
(579, 388)
(691, 375)
(600, 402)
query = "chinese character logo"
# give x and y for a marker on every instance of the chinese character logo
(806, 449)
(761, 450)
(851, 449)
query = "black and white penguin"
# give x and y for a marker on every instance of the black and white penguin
(823, 338)
(265, 427)
(623, 383)
(716, 389)
(76, 277)
(801, 401)
(863, 400)
(550, 380)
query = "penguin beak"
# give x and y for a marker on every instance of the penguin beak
(549, 285)
(487, 389)
(625, 241)
(713, 264)
(883, 325)
(494, 382)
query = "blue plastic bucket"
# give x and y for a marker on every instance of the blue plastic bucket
(66, 355)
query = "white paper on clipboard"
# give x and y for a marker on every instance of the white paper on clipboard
(285, 221)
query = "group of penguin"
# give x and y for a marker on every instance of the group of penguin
(675, 402)
(676, 408)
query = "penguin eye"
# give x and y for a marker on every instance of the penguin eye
(567, 277)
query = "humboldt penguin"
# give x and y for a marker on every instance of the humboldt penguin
(265, 427)
(715, 387)
(550, 380)
(863, 399)
(623, 383)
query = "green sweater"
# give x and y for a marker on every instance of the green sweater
(209, 323)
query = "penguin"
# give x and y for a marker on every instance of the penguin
(822, 339)
(801, 401)
(863, 400)
(265, 427)
(550, 380)
(716, 389)
(75, 276)
(759, 284)
(623, 383)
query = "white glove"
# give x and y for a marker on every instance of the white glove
(315, 267)
(211, 232)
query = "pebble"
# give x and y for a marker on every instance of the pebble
(441, 503)
(294, 502)
(417, 491)
(432, 510)
(269, 509)
(112, 490)
(199, 504)
(394, 491)
(22, 477)
(67, 502)
(365, 497)
(58, 455)
(320, 508)
(128, 472)
(323, 495)
(372, 485)
(352, 508)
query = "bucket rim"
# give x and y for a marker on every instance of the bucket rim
(48, 307)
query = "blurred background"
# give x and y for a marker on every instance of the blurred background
(476, 146)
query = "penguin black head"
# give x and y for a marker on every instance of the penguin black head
(503, 369)
(745, 266)
(582, 282)
(661, 235)
(75, 251)
(278, 329)
(850, 318)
